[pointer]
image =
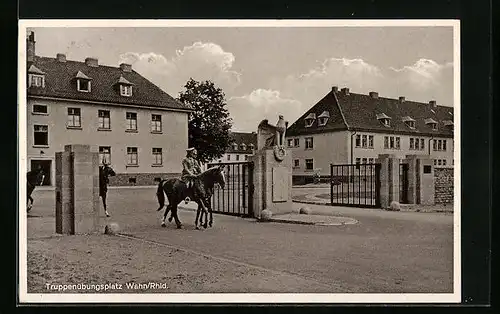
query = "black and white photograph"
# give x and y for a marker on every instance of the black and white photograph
(239, 161)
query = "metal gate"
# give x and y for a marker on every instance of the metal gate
(403, 183)
(237, 196)
(356, 185)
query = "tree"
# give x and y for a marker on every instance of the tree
(209, 123)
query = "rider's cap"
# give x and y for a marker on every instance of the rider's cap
(190, 149)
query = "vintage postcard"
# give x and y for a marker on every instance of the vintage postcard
(239, 161)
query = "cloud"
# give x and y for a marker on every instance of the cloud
(249, 110)
(201, 61)
(311, 86)
(423, 74)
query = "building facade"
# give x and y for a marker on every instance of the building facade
(134, 125)
(242, 147)
(348, 128)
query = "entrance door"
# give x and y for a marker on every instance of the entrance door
(46, 167)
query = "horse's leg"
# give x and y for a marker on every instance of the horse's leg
(104, 204)
(205, 212)
(165, 216)
(209, 204)
(176, 218)
(197, 217)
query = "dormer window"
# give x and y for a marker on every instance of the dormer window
(432, 123)
(384, 119)
(309, 120)
(125, 87)
(36, 77)
(323, 118)
(251, 146)
(235, 146)
(243, 146)
(409, 121)
(83, 82)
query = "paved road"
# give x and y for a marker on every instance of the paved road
(384, 252)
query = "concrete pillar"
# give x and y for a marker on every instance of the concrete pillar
(421, 185)
(77, 190)
(389, 179)
(272, 182)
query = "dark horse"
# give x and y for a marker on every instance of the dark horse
(33, 178)
(105, 171)
(201, 192)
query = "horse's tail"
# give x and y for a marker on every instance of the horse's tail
(161, 195)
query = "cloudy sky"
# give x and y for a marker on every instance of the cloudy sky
(266, 71)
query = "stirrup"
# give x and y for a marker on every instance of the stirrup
(187, 200)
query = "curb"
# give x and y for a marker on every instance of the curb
(310, 202)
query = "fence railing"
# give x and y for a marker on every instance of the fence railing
(237, 196)
(355, 185)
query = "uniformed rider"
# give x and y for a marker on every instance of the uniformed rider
(191, 168)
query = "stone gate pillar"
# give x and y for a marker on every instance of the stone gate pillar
(389, 179)
(421, 185)
(272, 177)
(77, 190)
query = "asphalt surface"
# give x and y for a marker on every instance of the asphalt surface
(383, 252)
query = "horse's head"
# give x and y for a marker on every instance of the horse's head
(217, 175)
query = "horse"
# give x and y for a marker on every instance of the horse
(176, 191)
(105, 171)
(33, 178)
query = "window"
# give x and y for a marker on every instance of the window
(246, 157)
(290, 142)
(364, 160)
(309, 120)
(410, 124)
(433, 126)
(228, 157)
(440, 147)
(104, 120)
(157, 156)
(237, 157)
(296, 163)
(243, 146)
(104, 154)
(416, 144)
(434, 145)
(74, 118)
(156, 123)
(370, 141)
(422, 144)
(412, 143)
(322, 121)
(296, 142)
(370, 160)
(444, 162)
(358, 140)
(439, 162)
(132, 156)
(83, 85)
(126, 90)
(41, 135)
(391, 142)
(251, 146)
(235, 146)
(435, 162)
(309, 164)
(444, 145)
(40, 109)
(131, 121)
(36, 80)
(364, 141)
(309, 143)
(358, 161)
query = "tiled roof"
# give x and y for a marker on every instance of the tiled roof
(360, 112)
(60, 82)
(242, 138)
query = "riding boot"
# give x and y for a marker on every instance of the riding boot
(187, 199)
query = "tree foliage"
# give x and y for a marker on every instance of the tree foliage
(209, 123)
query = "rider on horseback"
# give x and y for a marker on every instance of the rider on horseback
(191, 169)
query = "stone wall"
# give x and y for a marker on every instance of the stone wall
(443, 185)
(139, 179)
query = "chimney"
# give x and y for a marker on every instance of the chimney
(374, 95)
(61, 57)
(432, 103)
(92, 62)
(126, 67)
(345, 90)
(30, 47)
(335, 89)
(402, 99)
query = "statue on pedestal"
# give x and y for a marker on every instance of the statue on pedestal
(270, 136)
